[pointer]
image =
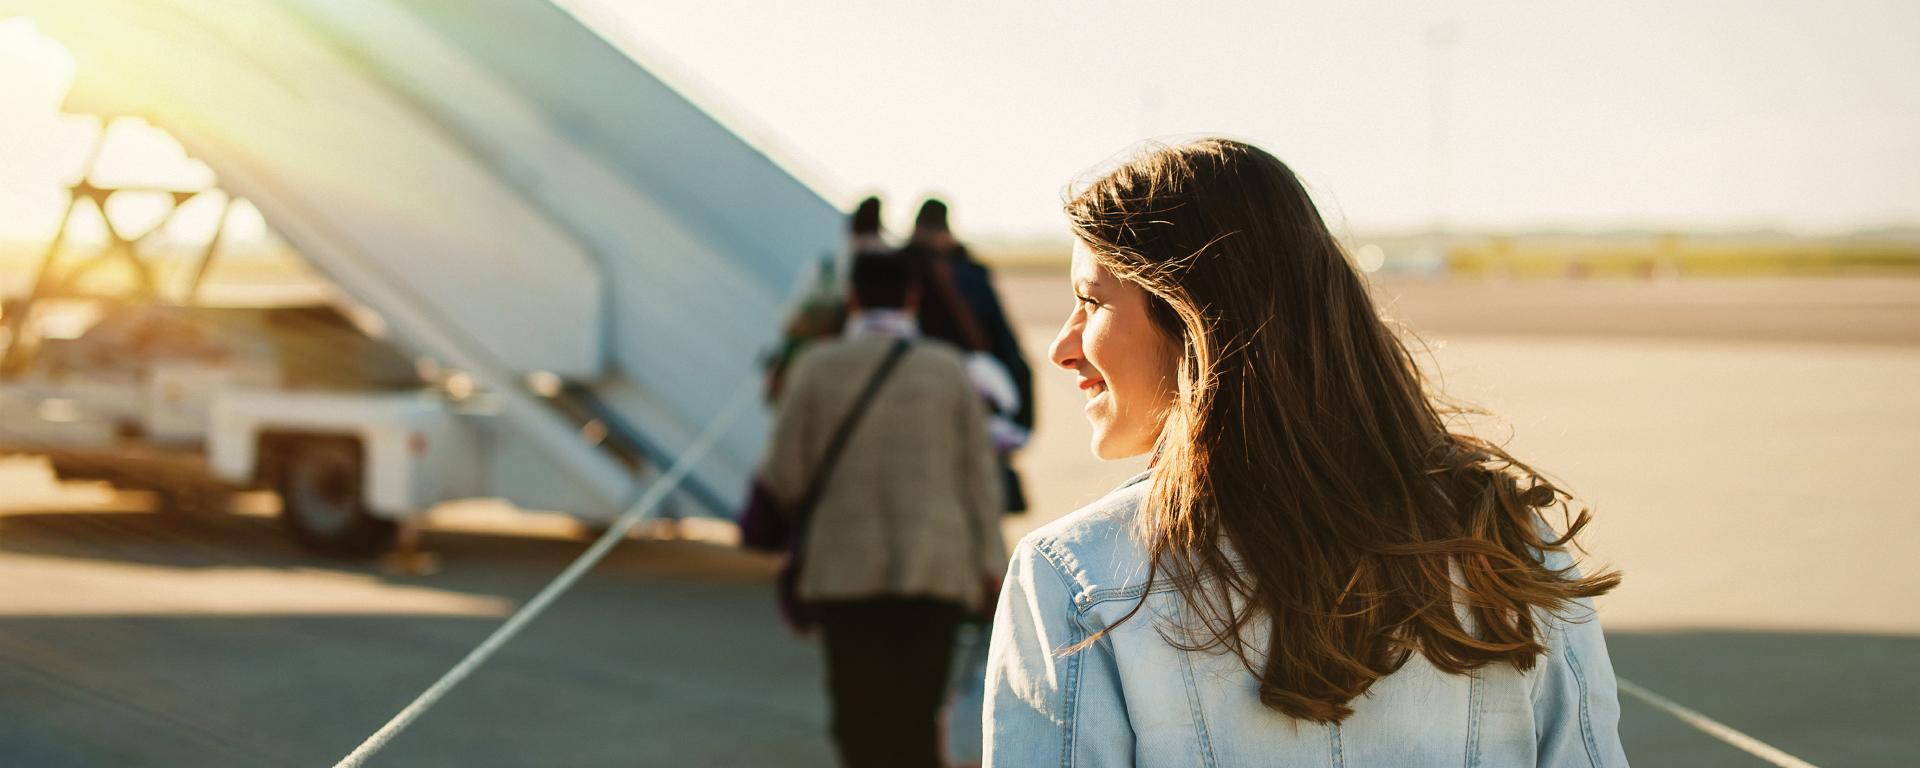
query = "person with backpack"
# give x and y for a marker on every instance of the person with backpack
(960, 306)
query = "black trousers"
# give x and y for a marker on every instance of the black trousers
(887, 666)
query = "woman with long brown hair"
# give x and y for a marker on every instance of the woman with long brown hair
(1317, 569)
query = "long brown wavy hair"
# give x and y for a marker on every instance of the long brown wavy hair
(1307, 475)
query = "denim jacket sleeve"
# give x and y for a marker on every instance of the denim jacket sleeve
(1576, 702)
(1044, 706)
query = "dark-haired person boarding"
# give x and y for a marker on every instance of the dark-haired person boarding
(1315, 571)
(904, 539)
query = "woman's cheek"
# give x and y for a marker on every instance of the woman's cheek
(1093, 336)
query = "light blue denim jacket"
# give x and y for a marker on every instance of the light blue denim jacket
(1133, 699)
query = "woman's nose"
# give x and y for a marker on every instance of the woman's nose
(1065, 351)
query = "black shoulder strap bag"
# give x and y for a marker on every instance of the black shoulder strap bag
(796, 612)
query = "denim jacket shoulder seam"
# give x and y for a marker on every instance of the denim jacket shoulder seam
(1067, 566)
(1098, 596)
(1058, 559)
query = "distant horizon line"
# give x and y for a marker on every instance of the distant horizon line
(12, 245)
(1905, 233)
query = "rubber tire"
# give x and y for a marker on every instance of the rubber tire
(322, 499)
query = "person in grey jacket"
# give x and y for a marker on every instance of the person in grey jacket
(905, 538)
(1316, 570)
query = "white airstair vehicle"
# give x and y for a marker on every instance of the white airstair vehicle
(588, 259)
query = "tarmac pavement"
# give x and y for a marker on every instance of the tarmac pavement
(1748, 483)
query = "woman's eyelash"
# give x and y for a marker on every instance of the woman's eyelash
(1085, 299)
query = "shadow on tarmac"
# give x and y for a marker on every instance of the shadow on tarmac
(670, 653)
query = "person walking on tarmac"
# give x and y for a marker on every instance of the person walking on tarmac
(822, 312)
(961, 307)
(880, 437)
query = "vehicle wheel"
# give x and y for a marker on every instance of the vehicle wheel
(322, 502)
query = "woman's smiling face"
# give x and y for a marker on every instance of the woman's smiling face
(1125, 364)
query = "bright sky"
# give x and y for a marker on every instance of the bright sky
(1631, 113)
(1621, 113)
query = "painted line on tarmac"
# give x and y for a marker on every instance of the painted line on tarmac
(1714, 728)
(656, 492)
